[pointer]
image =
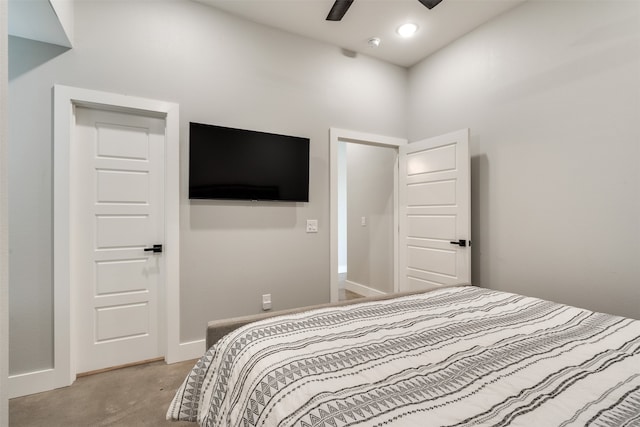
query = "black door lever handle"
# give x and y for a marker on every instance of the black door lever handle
(154, 249)
(461, 242)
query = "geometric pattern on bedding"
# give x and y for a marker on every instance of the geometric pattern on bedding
(457, 356)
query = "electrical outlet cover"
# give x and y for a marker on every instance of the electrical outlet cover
(266, 302)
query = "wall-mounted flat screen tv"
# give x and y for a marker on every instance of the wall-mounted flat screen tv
(238, 164)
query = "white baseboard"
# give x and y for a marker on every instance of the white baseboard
(45, 380)
(31, 383)
(362, 289)
(187, 351)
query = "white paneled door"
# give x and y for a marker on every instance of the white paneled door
(118, 219)
(435, 212)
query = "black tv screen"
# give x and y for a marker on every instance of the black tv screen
(238, 164)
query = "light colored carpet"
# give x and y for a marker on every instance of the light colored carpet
(133, 396)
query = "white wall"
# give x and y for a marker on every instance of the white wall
(551, 92)
(221, 70)
(370, 179)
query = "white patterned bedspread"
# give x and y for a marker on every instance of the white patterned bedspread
(453, 357)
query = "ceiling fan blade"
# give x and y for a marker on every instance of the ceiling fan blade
(430, 3)
(338, 10)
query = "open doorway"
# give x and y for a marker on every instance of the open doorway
(364, 213)
(365, 219)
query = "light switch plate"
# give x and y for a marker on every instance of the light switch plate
(312, 226)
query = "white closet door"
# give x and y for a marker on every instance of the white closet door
(119, 214)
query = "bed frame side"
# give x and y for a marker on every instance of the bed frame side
(216, 329)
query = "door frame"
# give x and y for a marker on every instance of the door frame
(65, 100)
(4, 215)
(336, 136)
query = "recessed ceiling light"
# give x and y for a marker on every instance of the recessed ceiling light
(407, 30)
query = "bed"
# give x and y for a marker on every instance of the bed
(457, 356)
